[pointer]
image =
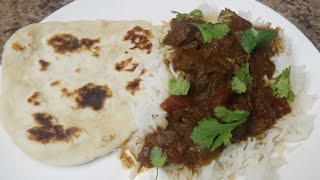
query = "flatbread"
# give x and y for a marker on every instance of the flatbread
(69, 88)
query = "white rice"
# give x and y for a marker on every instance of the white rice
(256, 158)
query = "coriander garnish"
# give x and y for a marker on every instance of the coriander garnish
(282, 87)
(212, 31)
(252, 38)
(242, 79)
(193, 14)
(157, 158)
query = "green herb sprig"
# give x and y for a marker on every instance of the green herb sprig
(282, 87)
(212, 31)
(157, 158)
(242, 79)
(211, 134)
(196, 13)
(252, 38)
(179, 86)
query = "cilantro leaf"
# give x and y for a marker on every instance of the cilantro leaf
(248, 41)
(242, 79)
(212, 31)
(291, 96)
(211, 134)
(265, 37)
(238, 85)
(228, 116)
(223, 138)
(252, 38)
(206, 34)
(196, 13)
(178, 86)
(180, 16)
(282, 87)
(220, 30)
(157, 157)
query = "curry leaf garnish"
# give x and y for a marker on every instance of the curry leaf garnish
(210, 134)
(179, 86)
(212, 31)
(282, 87)
(242, 79)
(252, 38)
(157, 158)
(228, 116)
(193, 14)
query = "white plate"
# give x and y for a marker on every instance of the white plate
(302, 163)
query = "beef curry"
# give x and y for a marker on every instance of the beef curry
(209, 67)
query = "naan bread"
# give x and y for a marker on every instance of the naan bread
(68, 87)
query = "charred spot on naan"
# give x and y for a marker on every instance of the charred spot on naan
(89, 96)
(68, 43)
(63, 43)
(134, 66)
(96, 51)
(34, 99)
(46, 131)
(43, 65)
(17, 47)
(65, 92)
(87, 43)
(77, 70)
(43, 119)
(140, 38)
(55, 83)
(121, 65)
(133, 86)
(143, 72)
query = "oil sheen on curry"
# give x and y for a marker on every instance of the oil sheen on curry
(225, 71)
